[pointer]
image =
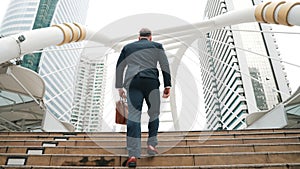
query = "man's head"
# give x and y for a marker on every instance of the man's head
(145, 33)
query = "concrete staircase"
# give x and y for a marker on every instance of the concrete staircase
(269, 148)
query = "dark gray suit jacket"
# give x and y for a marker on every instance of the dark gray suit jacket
(141, 57)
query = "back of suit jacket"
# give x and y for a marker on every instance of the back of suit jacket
(141, 57)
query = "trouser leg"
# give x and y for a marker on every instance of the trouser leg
(153, 102)
(153, 129)
(135, 103)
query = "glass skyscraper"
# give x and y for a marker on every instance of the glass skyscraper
(19, 16)
(55, 64)
(239, 76)
(87, 113)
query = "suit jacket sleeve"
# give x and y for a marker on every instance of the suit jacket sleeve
(164, 65)
(121, 64)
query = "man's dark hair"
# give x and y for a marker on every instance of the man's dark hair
(145, 32)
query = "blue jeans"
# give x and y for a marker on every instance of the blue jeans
(140, 89)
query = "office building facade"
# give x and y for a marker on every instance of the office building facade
(56, 65)
(240, 69)
(17, 18)
(87, 113)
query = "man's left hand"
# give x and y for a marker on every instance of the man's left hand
(166, 92)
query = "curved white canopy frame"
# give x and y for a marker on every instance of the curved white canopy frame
(21, 80)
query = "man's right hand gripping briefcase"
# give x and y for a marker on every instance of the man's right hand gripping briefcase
(121, 111)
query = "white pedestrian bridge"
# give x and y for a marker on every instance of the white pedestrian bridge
(22, 90)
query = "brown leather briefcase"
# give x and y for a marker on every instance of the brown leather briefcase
(121, 112)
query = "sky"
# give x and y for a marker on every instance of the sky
(104, 12)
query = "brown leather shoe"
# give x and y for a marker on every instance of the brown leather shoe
(131, 162)
(152, 150)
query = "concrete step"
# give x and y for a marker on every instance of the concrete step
(197, 149)
(184, 142)
(235, 166)
(162, 135)
(166, 133)
(160, 160)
